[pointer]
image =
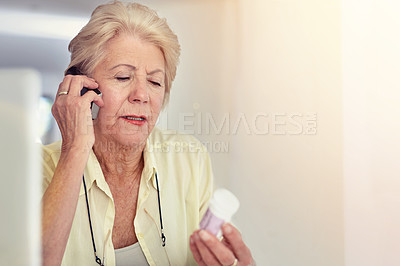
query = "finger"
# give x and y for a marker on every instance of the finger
(91, 96)
(64, 86)
(78, 82)
(195, 251)
(59, 101)
(219, 250)
(206, 255)
(226, 243)
(98, 100)
(234, 238)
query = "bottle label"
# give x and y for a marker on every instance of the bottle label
(211, 223)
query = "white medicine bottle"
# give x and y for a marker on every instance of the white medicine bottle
(223, 205)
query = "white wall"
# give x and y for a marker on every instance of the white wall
(371, 97)
(290, 180)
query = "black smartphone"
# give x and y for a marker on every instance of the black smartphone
(94, 107)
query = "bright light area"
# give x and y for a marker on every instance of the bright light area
(40, 25)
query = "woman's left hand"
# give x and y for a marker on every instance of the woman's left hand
(231, 250)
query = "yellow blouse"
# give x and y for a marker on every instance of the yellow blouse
(185, 179)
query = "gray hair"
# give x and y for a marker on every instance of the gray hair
(108, 20)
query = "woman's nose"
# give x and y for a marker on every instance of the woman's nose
(139, 92)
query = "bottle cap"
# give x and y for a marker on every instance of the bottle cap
(224, 204)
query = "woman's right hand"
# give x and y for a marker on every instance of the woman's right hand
(72, 112)
(74, 118)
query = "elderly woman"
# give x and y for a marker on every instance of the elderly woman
(117, 190)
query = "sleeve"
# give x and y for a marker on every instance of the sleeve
(206, 181)
(48, 168)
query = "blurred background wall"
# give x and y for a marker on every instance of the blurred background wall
(371, 97)
(297, 102)
(291, 178)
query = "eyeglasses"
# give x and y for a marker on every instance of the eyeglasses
(97, 259)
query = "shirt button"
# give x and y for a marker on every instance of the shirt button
(140, 235)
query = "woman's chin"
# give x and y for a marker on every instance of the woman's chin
(137, 140)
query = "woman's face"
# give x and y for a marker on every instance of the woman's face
(132, 80)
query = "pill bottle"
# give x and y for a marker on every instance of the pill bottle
(223, 205)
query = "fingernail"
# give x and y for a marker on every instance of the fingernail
(196, 236)
(191, 240)
(227, 228)
(204, 235)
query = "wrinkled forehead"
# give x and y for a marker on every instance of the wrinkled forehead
(130, 51)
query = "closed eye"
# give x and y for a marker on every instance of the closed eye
(122, 78)
(155, 83)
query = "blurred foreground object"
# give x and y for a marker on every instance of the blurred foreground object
(19, 164)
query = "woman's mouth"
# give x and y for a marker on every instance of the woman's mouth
(135, 120)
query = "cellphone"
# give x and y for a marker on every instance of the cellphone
(94, 107)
